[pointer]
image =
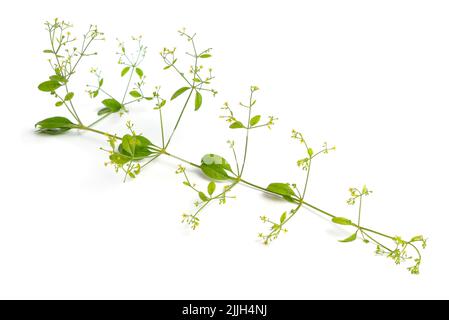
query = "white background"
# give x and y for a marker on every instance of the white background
(371, 77)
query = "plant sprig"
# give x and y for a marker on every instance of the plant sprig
(131, 152)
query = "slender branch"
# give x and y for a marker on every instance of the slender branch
(247, 132)
(99, 119)
(179, 117)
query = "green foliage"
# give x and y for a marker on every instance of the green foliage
(237, 125)
(281, 188)
(119, 158)
(135, 94)
(254, 120)
(342, 221)
(215, 167)
(198, 100)
(111, 105)
(69, 96)
(202, 196)
(139, 72)
(125, 71)
(49, 86)
(211, 188)
(136, 147)
(54, 125)
(179, 92)
(351, 238)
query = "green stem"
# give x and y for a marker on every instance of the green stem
(71, 104)
(162, 127)
(81, 127)
(99, 119)
(354, 225)
(216, 197)
(247, 133)
(128, 84)
(181, 159)
(236, 161)
(65, 105)
(238, 179)
(307, 177)
(179, 117)
(55, 52)
(376, 242)
(151, 160)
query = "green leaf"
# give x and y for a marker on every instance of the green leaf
(310, 152)
(142, 141)
(124, 71)
(128, 143)
(49, 86)
(214, 172)
(289, 199)
(350, 238)
(417, 238)
(119, 159)
(281, 188)
(254, 120)
(135, 147)
(54, 125)
(214, 159)
(58, 78)
(139, 72)
(211, 188)
(59, 103)
(364, 189)
(69, 96)
(202, 196)
(48, 51)
(198, 100)
(283, 217)
(342, 221)
(215, 167)
(205, 55)
(179, 92)
(135, 94)
(112, 104)
(237, 125)
(103, 111)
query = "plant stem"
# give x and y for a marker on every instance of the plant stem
(151, 160)
(216, 197)
(127, 85)
(307, 177)
(81, 127)
(238, 179)
(354, 225)
(65, 105)
(181, 159)
(99, 119)
(236, 161)
(162, 127)
(179, 117)
(247, 132)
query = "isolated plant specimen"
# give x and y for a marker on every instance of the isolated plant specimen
(131, 152)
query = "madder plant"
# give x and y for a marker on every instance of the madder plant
(130, 153)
